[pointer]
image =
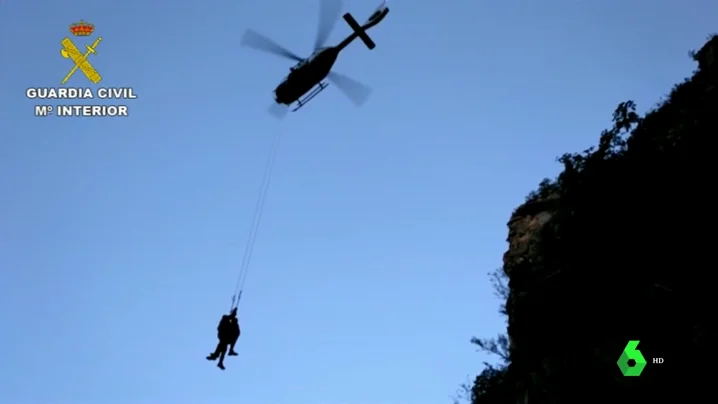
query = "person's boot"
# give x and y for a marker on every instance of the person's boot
(212, 357)
(232, 353)
(220, 365)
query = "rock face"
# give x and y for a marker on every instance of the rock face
(525, 229)
(612, 251)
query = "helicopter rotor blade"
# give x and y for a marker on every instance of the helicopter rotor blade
(278, 111)
(329, 11)
(257, 41)
(357, 92)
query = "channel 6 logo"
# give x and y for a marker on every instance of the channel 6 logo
(631, 353)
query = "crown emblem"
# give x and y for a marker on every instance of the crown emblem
(82, 28)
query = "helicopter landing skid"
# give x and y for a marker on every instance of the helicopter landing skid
(315, 91)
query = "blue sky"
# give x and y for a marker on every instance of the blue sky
(120, 239)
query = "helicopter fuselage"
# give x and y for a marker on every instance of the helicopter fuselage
(305, 75)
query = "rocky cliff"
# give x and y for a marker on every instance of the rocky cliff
(612, 251)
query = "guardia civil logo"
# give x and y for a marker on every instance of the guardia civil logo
(75, 97)
(82, 31)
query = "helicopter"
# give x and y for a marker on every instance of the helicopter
(306, 79)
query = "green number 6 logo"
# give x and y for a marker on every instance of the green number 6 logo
(630, 352)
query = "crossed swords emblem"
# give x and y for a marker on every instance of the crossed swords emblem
(70, 51)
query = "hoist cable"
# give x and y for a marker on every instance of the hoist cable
(256, 220)
(263, 198)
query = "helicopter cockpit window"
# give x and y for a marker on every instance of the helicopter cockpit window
(316, 53)
(298, 65)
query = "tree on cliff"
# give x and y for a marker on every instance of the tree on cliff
(618, 255)
(489, 387)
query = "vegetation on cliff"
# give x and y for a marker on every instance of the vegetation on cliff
(611, 251)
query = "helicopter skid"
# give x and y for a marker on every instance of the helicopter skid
(313, 93)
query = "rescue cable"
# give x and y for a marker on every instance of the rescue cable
(256, 220)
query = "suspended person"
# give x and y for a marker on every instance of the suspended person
(227, 334)
(234, 331)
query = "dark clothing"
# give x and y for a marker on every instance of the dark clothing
(224, 328)
(227, 333)
(220, 351)
(233, 332)
(228, 330)
(234, 328)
